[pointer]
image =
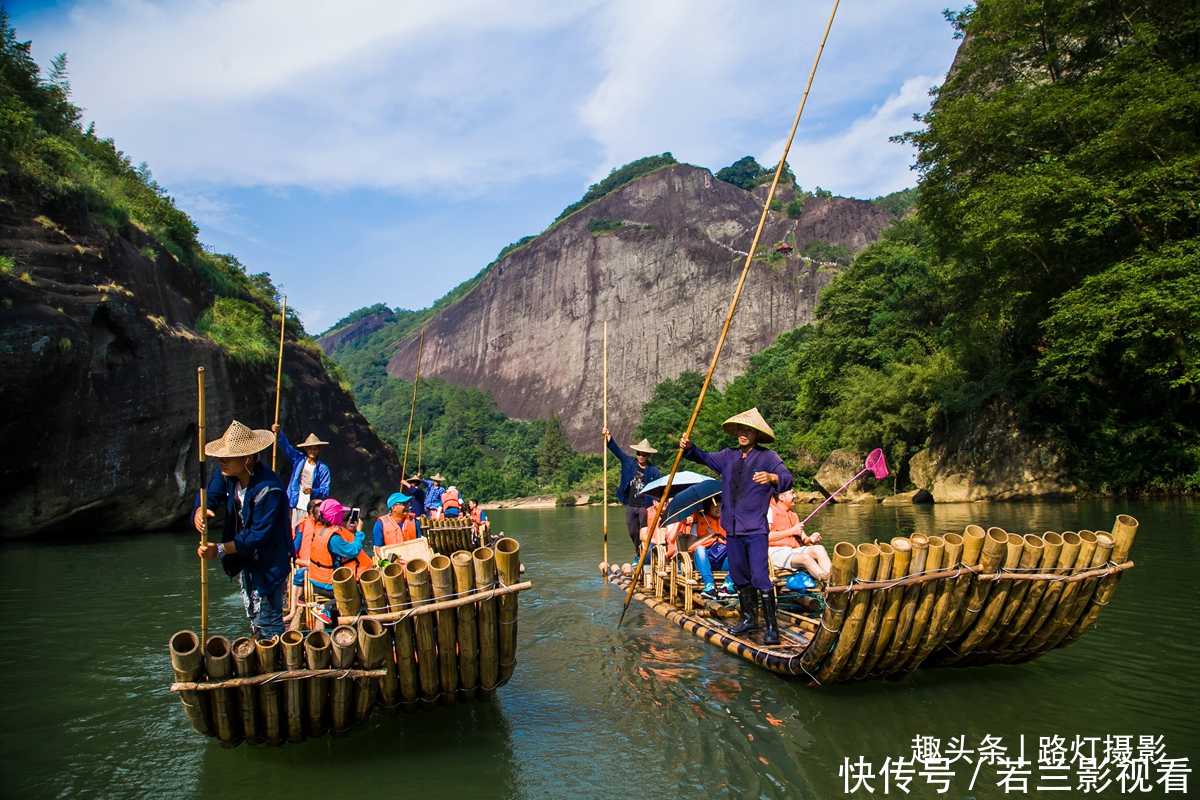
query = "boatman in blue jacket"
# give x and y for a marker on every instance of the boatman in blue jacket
(636, 472)
(310, 475)
(750, 475)
(255, 542)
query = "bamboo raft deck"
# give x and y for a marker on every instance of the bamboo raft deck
(424, 634)
(451, 534)
(920, 602)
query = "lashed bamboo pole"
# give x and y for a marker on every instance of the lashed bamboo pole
(468, 637)
(1013, 548)
(292, 644)
(218, 663)
(402, 632)
(1052, 544)
(203, 508)
(926, 600)
(508, 570)
(1067, 557)
(841, 573)
(1031, 557)
(870, 632)
(483, 563)
(945, 608)
(892, 598)
(908, 605)
(372, 652)
(604, 442)
(318, 652)
(279, 373)
(413, 410)
(995, 545)
(1083, 597)
(345, 592)
(1066, 600)
(442, 578)
(344, 640)
(245, 661)
(275, 678)
(762, 221)
(187, 662)
(268, 693)
(371, 583)
(1123, 532)
(421, 592)
(866, 562)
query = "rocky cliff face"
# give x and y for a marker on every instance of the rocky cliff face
(98, 354)
(354, 331)
(531, 331)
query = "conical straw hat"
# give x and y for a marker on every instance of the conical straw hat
(751, 419)
(437, 477)
(643, 447)
(312, 441)
(238, 440)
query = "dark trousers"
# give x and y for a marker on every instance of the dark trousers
(635, 520)
(748, 561)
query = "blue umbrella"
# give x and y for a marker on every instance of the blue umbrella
(690, 500)
(683, 480)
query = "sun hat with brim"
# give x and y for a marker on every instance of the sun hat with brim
(436, 478)
(312, 441)
(643, 447)
(238, 440)
(397, 497)
(750, 419)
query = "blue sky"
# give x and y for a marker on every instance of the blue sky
(384, 151)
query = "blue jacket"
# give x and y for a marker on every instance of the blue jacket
(433, 495)
(320, 479)
(263, 540)
(747, 514)
(629, 466)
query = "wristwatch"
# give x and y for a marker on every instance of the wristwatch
(220, 550)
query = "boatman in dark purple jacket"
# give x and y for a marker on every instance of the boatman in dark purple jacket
(750, 475)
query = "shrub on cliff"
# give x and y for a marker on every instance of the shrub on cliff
(618, 178)
(240, 329)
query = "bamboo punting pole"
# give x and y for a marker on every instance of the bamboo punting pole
(218, 663)
(268, 693)
(372, 651)
(840, 574)
(406, 666)
(187, 661)
(926, 600)
(866, 562)
(371, 582)
(292, 644)
(344, 640)
(944, 608)
(508, 569)
(279, 372)
(1031, 557)
(468, 636)
(420, 442)
(892, 598)
(484, 563)
(1066, 600)
(245, 662)
(1083, 597)
(870, 631)
(1123, 532)
(442, 577)
(420, 592)
(908, 605)
(413, 410)
(750, 255)
(1052, 545)
(345, 592)
(995, 546)
(203, 508)
(1067, 558)
(604, 442)
(318, 653)
(1013, 547)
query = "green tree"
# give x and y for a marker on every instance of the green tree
(555, 450)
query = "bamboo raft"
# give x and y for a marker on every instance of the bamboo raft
(451, 534)
(411, 636)
(985, 597)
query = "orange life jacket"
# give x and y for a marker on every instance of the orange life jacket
(709, 530)
(450, 499)
(477, 516)
(323, 562)
(397, 532)
(307, 527)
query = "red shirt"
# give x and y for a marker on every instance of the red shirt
(781, 519)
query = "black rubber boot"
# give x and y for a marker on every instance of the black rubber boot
(768, 603)
(748, 605)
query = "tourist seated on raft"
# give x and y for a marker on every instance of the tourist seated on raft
(394, 527)
(302, 534)
(710, 551)
(479, 520)
(332, 547)
(451, 502)
(790, 547)
(310, 475)
(254, 542)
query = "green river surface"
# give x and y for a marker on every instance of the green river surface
(645, 711)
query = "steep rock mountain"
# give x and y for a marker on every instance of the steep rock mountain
(531, 331)
(355, 330)
(99, 351)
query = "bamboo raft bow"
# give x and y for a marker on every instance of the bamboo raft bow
(418, 635)
(983, 597)
(450, 534)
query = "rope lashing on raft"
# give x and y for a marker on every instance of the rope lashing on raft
(859, 585)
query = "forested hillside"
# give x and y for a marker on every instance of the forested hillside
(1050, 278)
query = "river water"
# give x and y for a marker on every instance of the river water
(646, 711)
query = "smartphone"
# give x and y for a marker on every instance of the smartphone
(354, 515)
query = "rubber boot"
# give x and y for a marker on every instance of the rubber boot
(768, 604)
(748, 605)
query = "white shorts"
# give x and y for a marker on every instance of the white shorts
(781, 557)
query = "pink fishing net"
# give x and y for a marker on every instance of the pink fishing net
(877, 465)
